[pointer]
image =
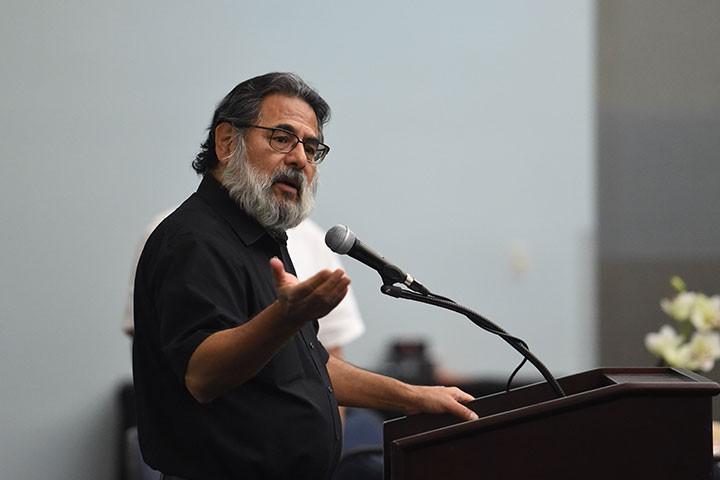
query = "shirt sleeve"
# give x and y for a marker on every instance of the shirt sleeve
(195, 294)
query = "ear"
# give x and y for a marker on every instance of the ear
(225, 142)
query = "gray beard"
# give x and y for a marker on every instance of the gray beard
(252, 191)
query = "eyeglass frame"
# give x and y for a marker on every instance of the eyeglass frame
(321, 146)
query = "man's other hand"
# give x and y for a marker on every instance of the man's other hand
(441, 400)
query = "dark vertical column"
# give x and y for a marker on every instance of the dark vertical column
(658, 160)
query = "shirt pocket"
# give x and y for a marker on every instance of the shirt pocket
(285, 366)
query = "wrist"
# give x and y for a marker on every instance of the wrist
(285, 319)
(410, 397)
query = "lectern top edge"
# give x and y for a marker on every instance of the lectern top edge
(625, 423)
(585, 388)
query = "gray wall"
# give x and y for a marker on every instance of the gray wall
(462, 149)
(658, 163)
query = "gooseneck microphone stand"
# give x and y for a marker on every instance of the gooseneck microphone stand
(482, 322)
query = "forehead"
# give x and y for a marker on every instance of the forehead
(276, 110)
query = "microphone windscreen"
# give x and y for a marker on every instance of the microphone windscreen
(340, 239)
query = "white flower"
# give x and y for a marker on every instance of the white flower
(702, 351)
(680, 357)
(705, 312)
(664, 343)
(697, 317)
(679, 307)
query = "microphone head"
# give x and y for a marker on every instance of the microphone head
(340, 239)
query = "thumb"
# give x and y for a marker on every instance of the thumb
(279, 273)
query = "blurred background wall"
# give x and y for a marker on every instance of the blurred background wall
(463, 148)
(658, 165)
(658, 160)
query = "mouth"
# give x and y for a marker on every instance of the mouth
(288, 185)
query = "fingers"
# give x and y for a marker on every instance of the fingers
(327, 288)
(446, 400)
(460, 410)
(282, 277)
(320, 279)
(459, 395)
(331, 292)
(335, 285)
(452, 403)
(310, 299)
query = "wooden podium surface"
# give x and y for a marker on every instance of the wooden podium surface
(614, 423)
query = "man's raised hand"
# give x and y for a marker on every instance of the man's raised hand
(310, 299)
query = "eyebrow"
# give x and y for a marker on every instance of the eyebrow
(290, 128)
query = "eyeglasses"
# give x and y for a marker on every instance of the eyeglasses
(283, 141)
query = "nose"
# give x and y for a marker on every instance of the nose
(296, 157)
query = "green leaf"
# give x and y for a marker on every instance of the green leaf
(678, 283)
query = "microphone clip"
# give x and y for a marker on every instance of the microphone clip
(408, 281)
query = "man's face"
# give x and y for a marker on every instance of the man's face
(277, 189)
(291, 114)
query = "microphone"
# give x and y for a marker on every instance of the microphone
(342, 240)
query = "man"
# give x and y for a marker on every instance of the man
(338, 328)
(230, 379)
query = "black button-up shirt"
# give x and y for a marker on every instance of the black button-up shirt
(206, 269)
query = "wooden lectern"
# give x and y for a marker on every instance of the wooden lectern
(614, 424)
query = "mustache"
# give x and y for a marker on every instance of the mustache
(292, 177)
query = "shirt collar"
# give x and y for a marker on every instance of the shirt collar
(246, 227)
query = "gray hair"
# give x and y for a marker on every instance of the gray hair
(242, 106)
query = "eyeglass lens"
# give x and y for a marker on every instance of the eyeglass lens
(285, 141)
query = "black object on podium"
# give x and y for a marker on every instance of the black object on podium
(614, 424)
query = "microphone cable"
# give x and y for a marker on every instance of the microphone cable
(517, 343)
(496, 331)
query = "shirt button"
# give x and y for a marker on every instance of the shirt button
(330, 389)
(311, 344)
